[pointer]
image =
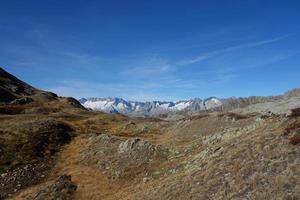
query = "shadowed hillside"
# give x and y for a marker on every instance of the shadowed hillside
(12, 88)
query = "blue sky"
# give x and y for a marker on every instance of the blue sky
(153, 50)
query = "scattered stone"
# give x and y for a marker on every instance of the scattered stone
(21, 101)
(91, 136)
(135, 143)
(22, 177)
(63, 188)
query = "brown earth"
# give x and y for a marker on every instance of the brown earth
(55, 149)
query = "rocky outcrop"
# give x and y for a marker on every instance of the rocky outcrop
(233, 103)
(292, 93)
(118, 158)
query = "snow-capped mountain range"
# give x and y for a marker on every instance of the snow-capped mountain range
(119, 105)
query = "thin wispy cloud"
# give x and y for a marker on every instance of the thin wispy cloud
(268, 60)
(145, 76)
(147, 67)
(217, 52)
(79, 89)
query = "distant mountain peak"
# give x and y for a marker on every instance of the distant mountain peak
(150, 108)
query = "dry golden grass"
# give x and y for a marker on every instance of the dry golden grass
(219, 156)
(213, 155)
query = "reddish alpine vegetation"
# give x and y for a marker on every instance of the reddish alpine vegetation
(292, 127)
(295, 140)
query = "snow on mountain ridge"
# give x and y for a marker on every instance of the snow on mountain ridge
(119, 105)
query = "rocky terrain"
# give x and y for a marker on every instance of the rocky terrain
(53, 148)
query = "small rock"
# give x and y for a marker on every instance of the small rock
(156, 173)
(146, 179)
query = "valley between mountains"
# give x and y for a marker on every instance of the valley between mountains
(54, 147)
